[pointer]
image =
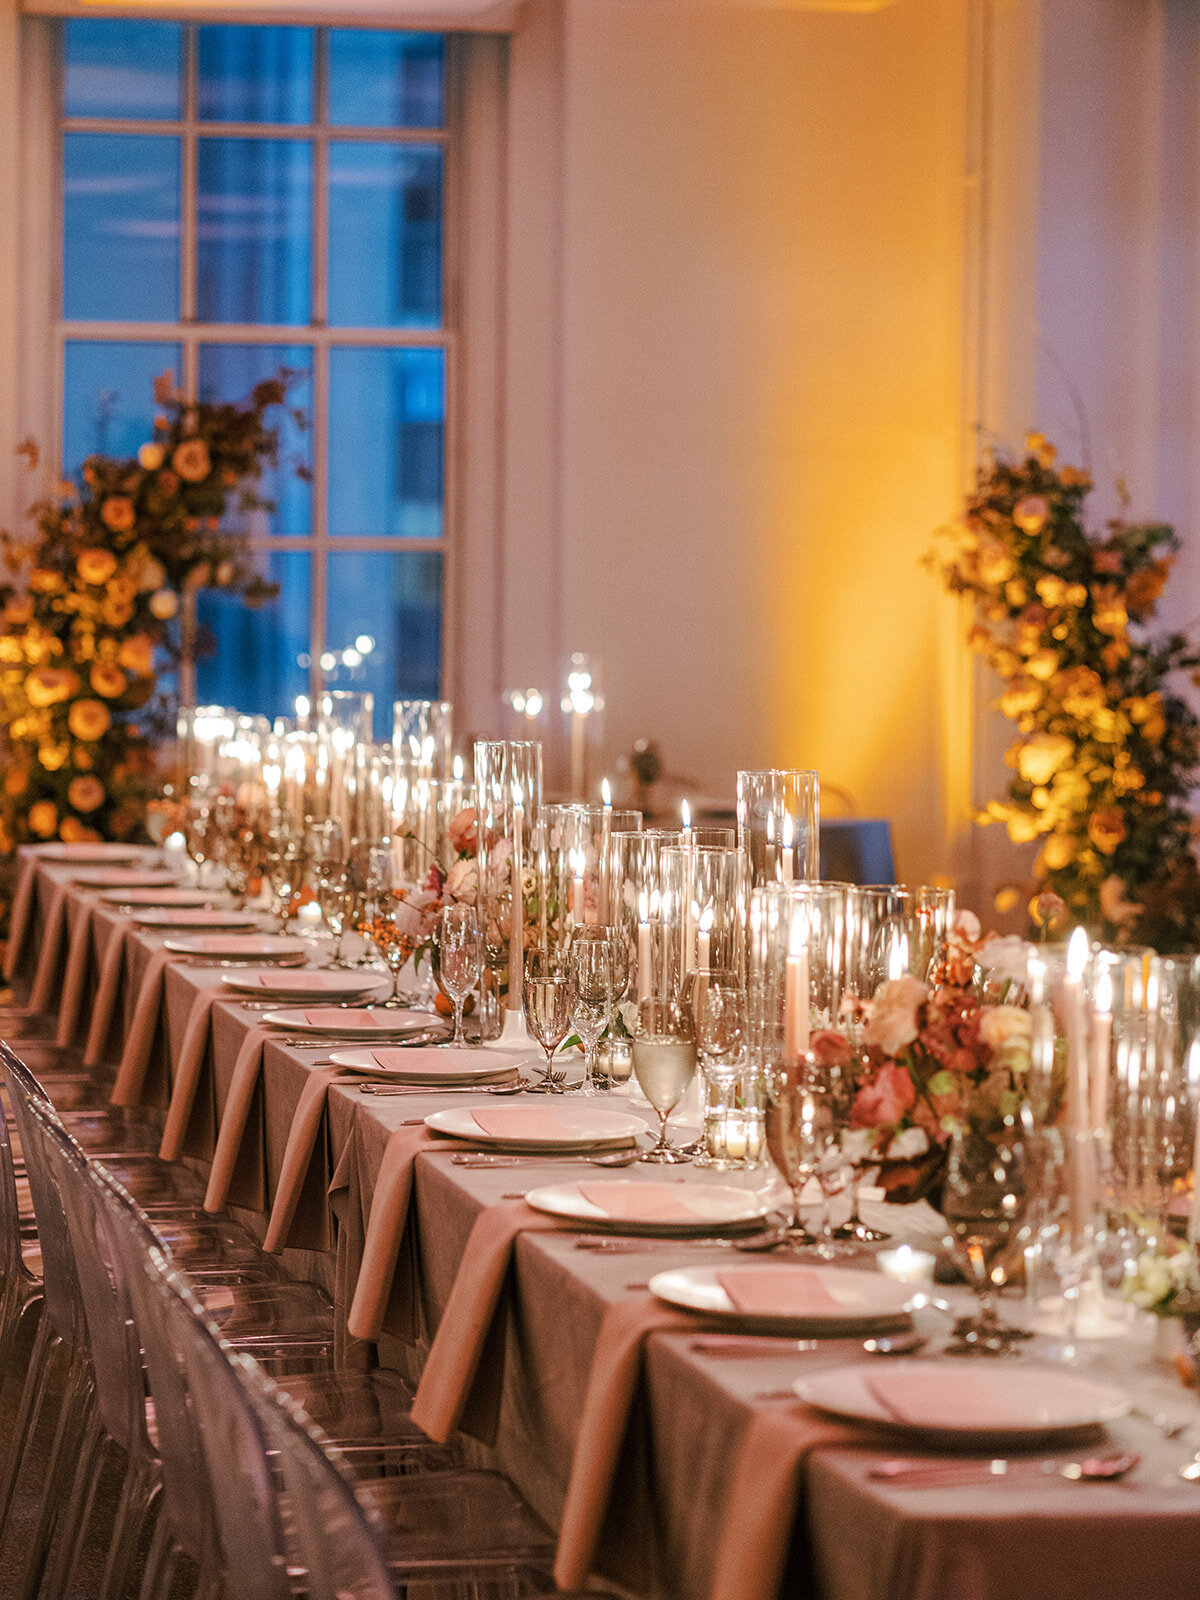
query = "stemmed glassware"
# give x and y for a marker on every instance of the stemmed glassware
(592, 993)
(547, 1002)
(984, 1204)
(664, 1060)
(800, 1130)
(199, 825)
(283, 858)
(460, 950)
(718, 1004)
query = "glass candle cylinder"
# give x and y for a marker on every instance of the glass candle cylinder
(778, 815)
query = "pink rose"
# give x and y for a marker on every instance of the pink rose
(463, 832)
(893, 1022)
(884, 1101)
(831, 1049)
(462, 881)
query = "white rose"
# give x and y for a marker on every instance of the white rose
(857, 1144)
(907, 1146)
(965, 925)
(1005, 959)
(462, 881)
(1004, 1027)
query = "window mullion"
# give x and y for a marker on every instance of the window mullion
(187, 243)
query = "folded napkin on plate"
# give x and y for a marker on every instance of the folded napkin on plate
(463, 1377)
(642, 1202)
(135, 1057)
(612, 1385)
(303, 982)
(364, 1020)
(297, 1158)
(532, 1124)
(107, 989)
(247, 1073)
(763, 1502)
(21, 916)
(771, 1291)
(189, 1069)
(49, 959)
(939, 1399)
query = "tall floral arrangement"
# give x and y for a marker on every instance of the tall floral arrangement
(88, 607)
(1105, 750)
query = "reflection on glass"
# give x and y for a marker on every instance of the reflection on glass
(121, 227)
(253, 230)
(385, 80)
(108, 401)
(394, 603)
(115, 67)
(385, 235)
(229, 372)
(256, 664)
(254, 74)
(386, 423)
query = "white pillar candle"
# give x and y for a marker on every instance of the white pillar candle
(704, 939)
(577, 864)
(645, 972)
(795, 994)
(516, 942)
(1083, 1194)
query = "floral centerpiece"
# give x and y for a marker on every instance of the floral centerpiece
(88, 609)
(1105, 753)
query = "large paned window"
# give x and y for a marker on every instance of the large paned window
(240, 198)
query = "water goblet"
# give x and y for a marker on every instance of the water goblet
(718, 1004)
(591, 993)
(800, 1130)
(984, 1204)
(460, 951)
(664, 1062)
(547, 1002)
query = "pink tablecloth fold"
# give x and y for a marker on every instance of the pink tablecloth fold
(247, 1071)
(385, 1233)
(135, 1057)
(297, 1156)
(21, 918)
(78, 955)
(189, 1068)
(107, 990)
(763, 1501)
(49, 962)
(463, 1375)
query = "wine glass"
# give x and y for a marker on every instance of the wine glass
(664, 1060)
(591, 994)
(199, 825)
(547, 1001)
(390, 931)
(335, 900)
(718, 1004)
(984, 1205)
(460, 949)
(283, 857)
(800, 1129)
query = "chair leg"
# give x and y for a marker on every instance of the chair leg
(160, 1564)
(69, 1530)
(46, 1350)
(75, 1438)
(139, 1494)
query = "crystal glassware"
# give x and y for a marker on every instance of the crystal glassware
(801, 1131)
(984, 1207)
(460, 958)
(718, 1002)
(777, 812)
(591, 991)
(664, 1062)
(283, 859)
(547, 1001)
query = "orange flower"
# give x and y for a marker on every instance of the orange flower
(164, 603)
(192, 461)
(151, 457)
(46, 686)
(1143, 589)
(19, 612)
(117, 513)
(1030, 513)
(43, 818)
(86, 793)
(73, 831)
(136, 655)
(89, 719)
(116, 612)
(107, 679)
(1106, 829)
(16, 781)
(96, 565)
(43, 581)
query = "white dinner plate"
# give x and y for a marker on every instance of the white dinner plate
(785, 1297)
(124, 877)
(629, 1206)
(90, 852)
(195, 917)
(449, 1065)
(523, 1127)
(246, 947)
(335, 1021)
(165, 896)
(964, 1401)
(319, 984)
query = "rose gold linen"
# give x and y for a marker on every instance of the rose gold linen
(78, 949)
(247, 1070)
(188, 1071)
(297, 1156)
(21, 918)
(135, 1057)
(107, 989)
(49, 961)
(385, 1229)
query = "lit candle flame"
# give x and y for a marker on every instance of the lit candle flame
(686, 812)
(1077, 953)
(606, 793)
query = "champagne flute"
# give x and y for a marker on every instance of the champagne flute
(591, 995)
(284, 861)
(664, 1060)
(335, 899)
(547, 1002)
(800, 1128)
(460, 948)
(391, 934)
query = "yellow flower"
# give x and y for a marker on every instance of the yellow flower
(16, 781)
(1039, 758)
(1042, 664)
(46, 686)
(117, 513)
(994, 562)
(10, 650)
(164, 603)
(1025, 694)
(19, 611)
(151, 457)
(136, 655)
(1023, 827)
(1040, 448)
(1108, 609)
(89, 719)
(85, 793)
(54, 756)
(192, 461)
(43, 581)
(43, 818)
(115, 612)
(96, 565)
(1058, 852)
(1106, 829)
(107, 679)
(1030, 513)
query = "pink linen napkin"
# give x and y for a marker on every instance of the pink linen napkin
(385, 1231)
(523, 1123)
(762, 1505)
(364, 1021)
(302, 982)
(189, 1068)
(21, 916)
(641, 1202)
(297, 1155)
(48, 963)
(612, 1385)
(463, 1376)
(247, 1071)
(938, 1399)
(135, 1057)
(771, 1291)
(107, 990)
(78, 950)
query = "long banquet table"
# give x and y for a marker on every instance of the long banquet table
(854, 1538)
